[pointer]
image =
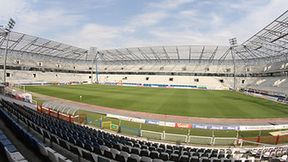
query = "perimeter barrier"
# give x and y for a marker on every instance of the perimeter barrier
(189, 139)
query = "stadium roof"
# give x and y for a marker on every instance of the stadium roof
(160, 53)
(269, 44)
(36, 45)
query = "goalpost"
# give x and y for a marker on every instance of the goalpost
(176, 137)
(224, 141)
(152, 134)
(200, 140)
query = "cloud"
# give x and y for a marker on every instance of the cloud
(52, 20)
(255, 20)
(169, 4)
(161, 22)
(46, 22)
(187, 13)
(188, 27)
(190, 37)
(12, 8)
(147, 19)
(92, 35)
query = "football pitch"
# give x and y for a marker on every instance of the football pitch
(183, 102)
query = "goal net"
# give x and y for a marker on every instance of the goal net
(151, 134)
(200, 140)
(176, 137)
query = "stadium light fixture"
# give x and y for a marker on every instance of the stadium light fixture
(233, 43)
(96, 66)
(8, 29)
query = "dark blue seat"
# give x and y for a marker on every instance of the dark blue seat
(101, 159)
(145, 152)
(133, 158)
(135, 150)
(74, 150)
(145, 159)
(120, 158)
(11, 148)
(194, 159)
(63, 144)
(184, 158)
(87, 156)
(174, 157)
(154, 154)
(2, 136)
(5, 142)
(164, 156)
(108, 154)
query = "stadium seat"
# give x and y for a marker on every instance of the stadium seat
(164, 156)
(135, 150)
(174, 157)
(169, 151)
(237, 160)
(75, 150)
(108, 154)
(97, 150)
(87, 156)
(184, 152)
(145, 159)
(159, 149)
(117, 146)
(145, 147)
(120, 158)
(154, 154)
(157, 160)
(126, 149)
(63, 144)
(152, 148)
(137, 145)
(194, 159)
(184, 158)
(196, 154)
(145, 152)
(205, 155)
(133, 158)
(205, 159)
(216, 160)
(114, 152)
(102, 159)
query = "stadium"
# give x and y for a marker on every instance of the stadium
(182, 103)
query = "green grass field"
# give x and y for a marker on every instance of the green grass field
(184, 102)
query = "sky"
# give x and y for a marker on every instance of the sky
(106, 24)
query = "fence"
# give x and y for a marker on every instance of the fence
(189, 139)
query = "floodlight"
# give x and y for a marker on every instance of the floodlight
(8, 29)
(233, 42)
